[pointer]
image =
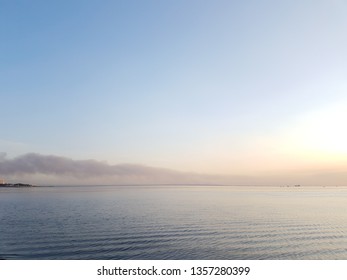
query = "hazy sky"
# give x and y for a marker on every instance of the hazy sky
(242, 88)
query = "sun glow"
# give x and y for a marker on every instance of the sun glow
(322, 134)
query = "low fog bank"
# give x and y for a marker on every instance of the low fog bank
(50, 169)
(40, 169)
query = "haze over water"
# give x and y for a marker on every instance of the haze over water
(178, 92)
(173, 222)
(183, 92)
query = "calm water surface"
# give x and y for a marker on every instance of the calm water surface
(170, 222)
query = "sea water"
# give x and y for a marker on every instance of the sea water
(173, 222)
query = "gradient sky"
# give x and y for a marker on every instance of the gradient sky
(214, 87)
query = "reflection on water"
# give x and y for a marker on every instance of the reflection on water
(173, 222)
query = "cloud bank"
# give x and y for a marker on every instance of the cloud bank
(54, 165)
(50, 169)
(38, 168)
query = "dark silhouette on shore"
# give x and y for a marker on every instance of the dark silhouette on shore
(17, 185)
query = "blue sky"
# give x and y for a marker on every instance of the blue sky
(215, 87)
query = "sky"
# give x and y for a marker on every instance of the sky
(241, 92)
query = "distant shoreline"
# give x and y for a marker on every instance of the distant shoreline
(17, 185)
